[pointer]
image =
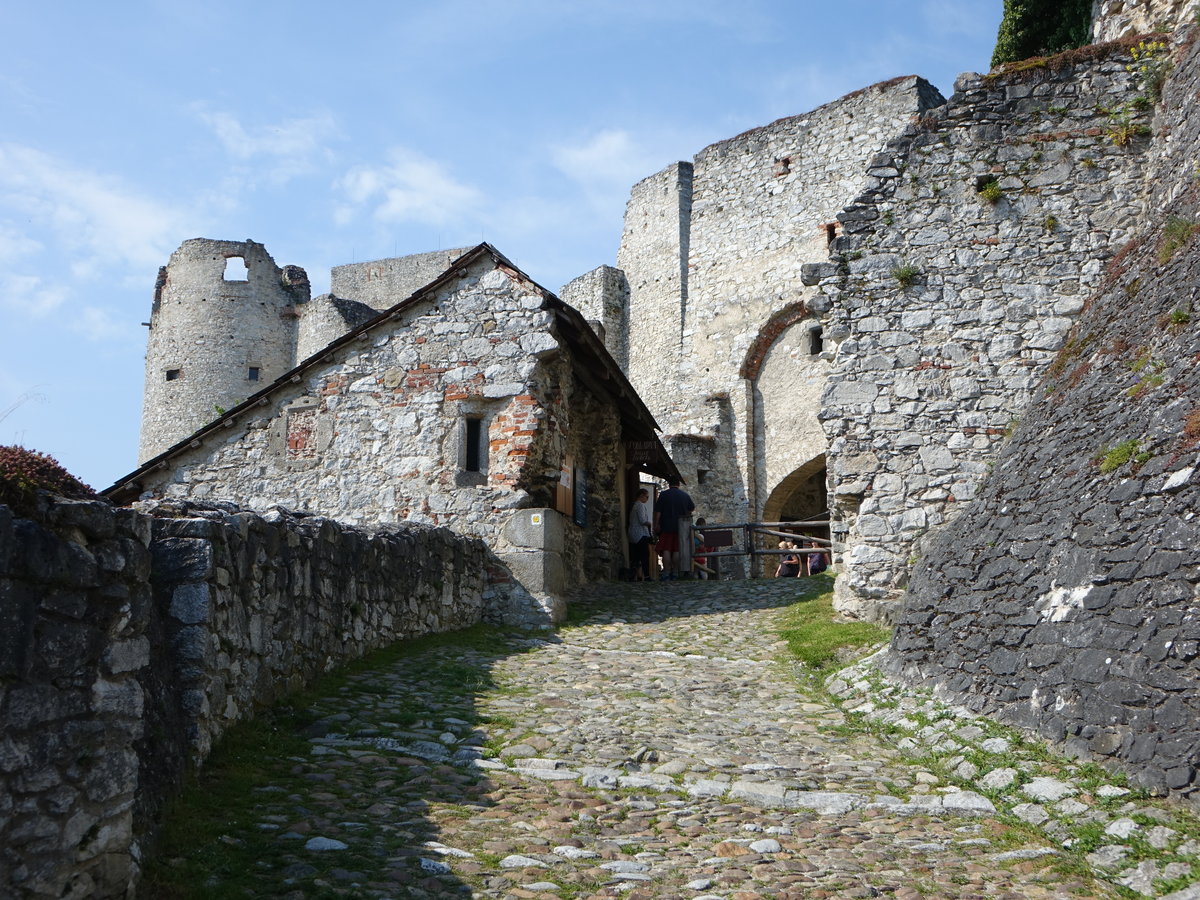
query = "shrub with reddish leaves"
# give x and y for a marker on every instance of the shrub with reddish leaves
(23, 472)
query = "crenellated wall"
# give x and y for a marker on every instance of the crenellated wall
(134, 639)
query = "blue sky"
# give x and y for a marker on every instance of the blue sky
(342, 133)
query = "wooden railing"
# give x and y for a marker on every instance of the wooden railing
(744, 538)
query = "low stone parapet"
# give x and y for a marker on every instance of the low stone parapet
(134, 639)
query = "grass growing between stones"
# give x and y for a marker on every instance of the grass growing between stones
(817, 639)
(965, 753)
(217, 837)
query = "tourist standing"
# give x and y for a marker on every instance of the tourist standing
(640, 521)
(673, 504)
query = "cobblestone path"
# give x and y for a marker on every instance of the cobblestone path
(656, 749)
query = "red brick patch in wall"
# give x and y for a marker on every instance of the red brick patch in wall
(301, 434)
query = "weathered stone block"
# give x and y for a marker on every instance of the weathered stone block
(182, 559)
(190, 603)
(538, 571)
(541, 529)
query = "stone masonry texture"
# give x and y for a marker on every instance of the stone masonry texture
(713, 250)
(376, 432)
(132, 640)
(1064, 599)
(207, 334)
(1114, 19)
(659, 749)
(949, 302)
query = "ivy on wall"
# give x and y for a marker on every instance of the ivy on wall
(1041, 27)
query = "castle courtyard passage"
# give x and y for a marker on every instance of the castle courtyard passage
(658, 747)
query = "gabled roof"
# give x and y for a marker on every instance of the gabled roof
(591, 362)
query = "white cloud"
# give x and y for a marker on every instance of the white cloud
(606, 165)
(607, 157)
(289, 148)
(87, 213)
(15, 245)
(98, 324)
(30, 294)
(409, 187)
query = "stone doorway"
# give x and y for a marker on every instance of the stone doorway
(801, 497)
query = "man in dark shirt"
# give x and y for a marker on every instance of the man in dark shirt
(672, 505)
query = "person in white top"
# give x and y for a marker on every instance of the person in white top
(639, 536)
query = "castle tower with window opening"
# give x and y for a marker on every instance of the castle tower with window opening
(223, 324)
(227, 321)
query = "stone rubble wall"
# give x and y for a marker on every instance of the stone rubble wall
(713, 249)
(928, 377)
(375, 436)
(75, 599)
(1066, 598)
(1171, 171)
(382, 283)
(1116, 19)
(133, 640)
(326, 318)
(602, 296)
(212, 331)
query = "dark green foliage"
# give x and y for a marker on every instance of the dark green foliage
(1041, 28)
(24, 472)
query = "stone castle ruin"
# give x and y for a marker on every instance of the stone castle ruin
(964, 327)
(854, 310)
(755, 307)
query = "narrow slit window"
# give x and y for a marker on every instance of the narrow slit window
(816, 341)
(830, 233)
(474, 442)
(252, 373)
(701, 476)
(173, 374)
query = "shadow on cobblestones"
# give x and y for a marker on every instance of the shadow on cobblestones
(337, 792)
(654, 747)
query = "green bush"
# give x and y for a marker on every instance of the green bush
(24, 472)
(1041, 28)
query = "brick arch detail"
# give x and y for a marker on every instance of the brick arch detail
(779, 322)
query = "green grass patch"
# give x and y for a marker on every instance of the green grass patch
(1176, 233)
(991, 192)
(906, 276)
(1113, 458)
(816, 638)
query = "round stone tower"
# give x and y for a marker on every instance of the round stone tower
(223, 326)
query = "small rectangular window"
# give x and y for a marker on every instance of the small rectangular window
(173, 374)
(474, 445)
(252, 373)
(816, 341)
(701, 476)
